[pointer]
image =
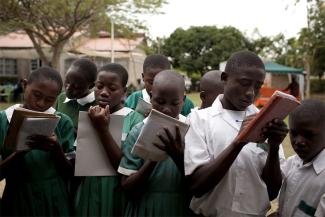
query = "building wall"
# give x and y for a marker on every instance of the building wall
(279, 81)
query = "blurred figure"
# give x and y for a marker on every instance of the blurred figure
(210, 87)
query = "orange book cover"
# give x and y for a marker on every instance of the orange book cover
(279, 106)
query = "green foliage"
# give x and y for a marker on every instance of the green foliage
(317, 86)
(200, 49)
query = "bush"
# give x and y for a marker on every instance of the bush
(317, 86)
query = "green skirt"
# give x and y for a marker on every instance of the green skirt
(100, 196)
(159, 204)
(47, 197)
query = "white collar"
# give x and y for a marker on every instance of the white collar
(123, 111)
(84, 100)
(9, 111)
(319, 162)
(145, 95)
(217, 108)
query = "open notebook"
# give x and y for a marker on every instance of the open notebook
(155, 124)
(24, 123)
(91, 157)
(279, 106)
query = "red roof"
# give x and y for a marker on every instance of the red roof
(16, 40)
(20, 39)
(104, 44)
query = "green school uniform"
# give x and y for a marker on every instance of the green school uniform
(165, 193)
(132, 101)
(102, 195)
(72, 107)
(35, 188)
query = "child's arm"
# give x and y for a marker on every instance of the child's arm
(134, 169)
(174, 147)
(207, 176)
(100, 118)
(275, 131)
(51, 144)
(136, 183)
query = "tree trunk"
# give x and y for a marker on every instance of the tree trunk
(56, 54)
(307, 78)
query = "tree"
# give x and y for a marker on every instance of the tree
(199, 49)
(312, 40)
(54, 22)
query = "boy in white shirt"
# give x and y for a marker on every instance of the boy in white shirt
(229, 177)
(304, 173)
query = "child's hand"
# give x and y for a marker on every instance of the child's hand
(172, 146)
(99, 117)
(44, 143)
(246, 121)
(275, 131)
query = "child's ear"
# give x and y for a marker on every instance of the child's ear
(91, 85)
(142, 75)
(224, 76)
(202, 95)
(24, 83)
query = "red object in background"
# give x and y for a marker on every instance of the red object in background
(265, 94)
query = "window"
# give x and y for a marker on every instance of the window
(35, 64)
(8, 66)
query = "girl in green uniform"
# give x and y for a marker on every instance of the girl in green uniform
(158, 188)
(78, 96)
(102, 195)
(36, 179)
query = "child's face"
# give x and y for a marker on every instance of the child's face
(148, 77)
(242, 87)
(40, 95)
(109, 90)
(307, 137)
(168, 100)
(76, 85)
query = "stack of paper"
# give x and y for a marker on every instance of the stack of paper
(24, 123)
(156, 122)
(91, 157)
(279, 106)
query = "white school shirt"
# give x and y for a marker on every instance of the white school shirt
(242, 191)
(320, 212)
(84, 100)
(146, 96)
(303, 186)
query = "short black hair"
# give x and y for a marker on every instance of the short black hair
(170, 77)
(311, 108)
(155, 61)
(87, 68)
(243, 58)
(117, 69)
(45, 73)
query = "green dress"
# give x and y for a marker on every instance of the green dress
(35, 188)
(71, 108)
(165, 193)
(102, 195)
(132, 101)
